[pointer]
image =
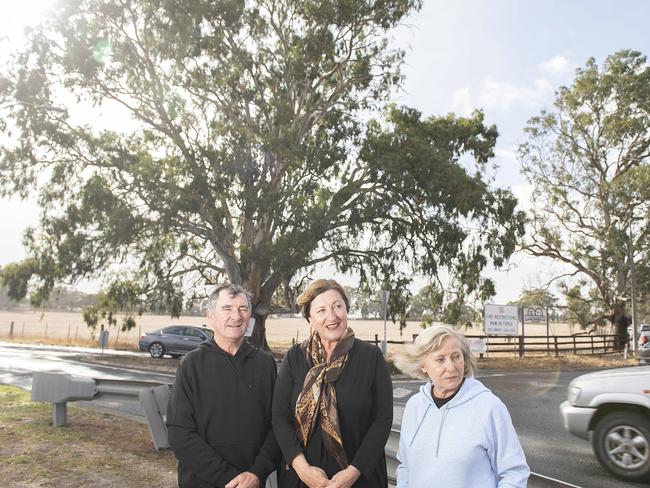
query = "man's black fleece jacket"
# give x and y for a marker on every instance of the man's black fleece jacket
(219, 416)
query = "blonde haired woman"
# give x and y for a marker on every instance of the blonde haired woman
(455, 432)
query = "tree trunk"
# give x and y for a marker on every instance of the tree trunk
(620, 321)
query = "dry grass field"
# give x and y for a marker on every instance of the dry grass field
(69, 328)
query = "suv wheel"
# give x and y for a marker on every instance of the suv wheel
(621, 442)
(156, 350)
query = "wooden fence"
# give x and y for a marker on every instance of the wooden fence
(540, 345)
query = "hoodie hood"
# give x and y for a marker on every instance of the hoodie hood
(468, 390)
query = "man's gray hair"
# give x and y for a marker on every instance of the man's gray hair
(232, 290)
(409, 360)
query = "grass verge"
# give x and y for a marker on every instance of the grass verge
(95, 449)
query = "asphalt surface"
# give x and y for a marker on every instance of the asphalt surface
(533, 397)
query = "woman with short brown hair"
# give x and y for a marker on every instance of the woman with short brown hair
(333, 401)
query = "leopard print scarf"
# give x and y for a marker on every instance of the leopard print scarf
(318, 396)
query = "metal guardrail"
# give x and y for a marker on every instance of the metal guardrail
(60, 388)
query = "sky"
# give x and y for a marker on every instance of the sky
(506, 57)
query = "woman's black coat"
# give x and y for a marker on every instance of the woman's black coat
(365, 409)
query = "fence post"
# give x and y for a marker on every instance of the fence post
(592, 345)
(574, 345)
(521, 346)
(377, 340)
(11, 330)
(557, 352)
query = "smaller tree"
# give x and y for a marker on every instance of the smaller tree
(122, 296)
(398, 301)
(588, 160)
(536, 297)
(426, 302)
(583, 309)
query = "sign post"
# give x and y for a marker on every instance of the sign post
(103, 340)
(383, 295)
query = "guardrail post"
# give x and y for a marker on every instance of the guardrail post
(59, 414)
(154, 403)
(60, 389)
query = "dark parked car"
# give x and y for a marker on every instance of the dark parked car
(174, 340)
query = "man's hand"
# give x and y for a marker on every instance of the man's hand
(244, 480)
(345, 478)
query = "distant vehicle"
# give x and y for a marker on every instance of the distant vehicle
(612, 409)
(644, 352)
(644, 333)
(174, 340)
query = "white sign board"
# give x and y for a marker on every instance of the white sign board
(477, 345)
(534, 314)
(250, 327)
(501, 319)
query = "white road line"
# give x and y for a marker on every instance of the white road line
(563, 483)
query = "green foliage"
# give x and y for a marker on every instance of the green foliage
(588, 162)
(427, 301)
(536, 297)
(14, 278)
(249, 160)
(122, 296)
(581, 309)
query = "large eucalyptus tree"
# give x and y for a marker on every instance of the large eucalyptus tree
(252, 158)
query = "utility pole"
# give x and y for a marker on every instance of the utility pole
(630, 253)
(384, 295)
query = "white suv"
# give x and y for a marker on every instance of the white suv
(612, 408)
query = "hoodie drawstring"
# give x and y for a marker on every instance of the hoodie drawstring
(420, 424)
(442, 424)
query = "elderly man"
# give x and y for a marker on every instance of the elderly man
(219, 413)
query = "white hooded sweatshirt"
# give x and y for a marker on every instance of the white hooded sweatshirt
(469, 442)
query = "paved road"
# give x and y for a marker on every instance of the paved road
(533, 399)
(17, 363)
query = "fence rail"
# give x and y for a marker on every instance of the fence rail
(550, 345)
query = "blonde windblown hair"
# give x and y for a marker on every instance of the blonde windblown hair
(409, 360)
